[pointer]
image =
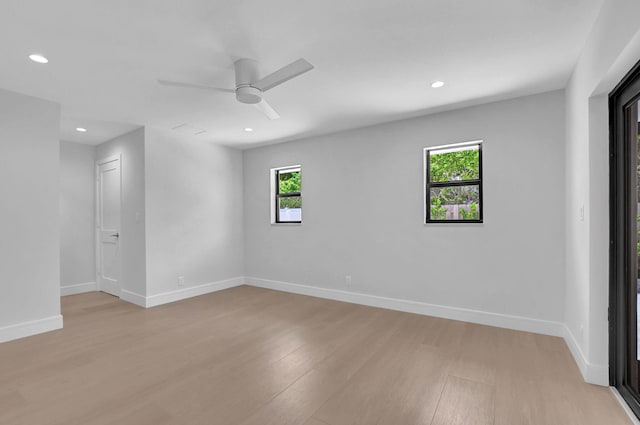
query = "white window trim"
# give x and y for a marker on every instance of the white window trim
(272, 202)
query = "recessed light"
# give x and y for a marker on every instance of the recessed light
(248, 129)
(38, 58)
(81, 130)
(437, 84)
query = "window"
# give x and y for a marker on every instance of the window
(286, 194)
(453, 183)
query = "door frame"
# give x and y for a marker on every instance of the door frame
(97, 229)
(626, 92)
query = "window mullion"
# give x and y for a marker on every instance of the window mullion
(288, 195)
(455, 183)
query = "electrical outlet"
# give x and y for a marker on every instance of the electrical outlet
(180, 280)
(347, 280)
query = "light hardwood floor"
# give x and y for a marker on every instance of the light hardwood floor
(254, 356)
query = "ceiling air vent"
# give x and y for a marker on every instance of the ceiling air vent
(188, 130)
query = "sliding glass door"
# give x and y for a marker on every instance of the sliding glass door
(624, 113)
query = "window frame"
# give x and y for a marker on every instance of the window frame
(276, 195)
(428, 184)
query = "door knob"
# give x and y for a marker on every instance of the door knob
(117, 235)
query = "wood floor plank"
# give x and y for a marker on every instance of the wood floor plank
(476, 365)
(296, 404)
(248, 356)
(400, 383)
(313, 421)
(414, 397)
(446, 333)
(465, 402)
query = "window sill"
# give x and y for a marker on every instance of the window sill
(455, 223)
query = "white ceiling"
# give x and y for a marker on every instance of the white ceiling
(97, 130)
(374, 59)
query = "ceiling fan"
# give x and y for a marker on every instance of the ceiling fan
(249, 87)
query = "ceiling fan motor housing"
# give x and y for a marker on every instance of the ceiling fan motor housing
(248, 94)
(246, 74)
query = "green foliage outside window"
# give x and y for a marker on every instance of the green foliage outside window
(438, 212)
(472, 213)
(290, 183)
(454, 166)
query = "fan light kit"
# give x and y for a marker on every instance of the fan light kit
(38, 58)
(249, 87)
(437, 84)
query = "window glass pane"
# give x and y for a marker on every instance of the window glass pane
(454, 164)
(455, 203)
(290, 208)
(289, 181)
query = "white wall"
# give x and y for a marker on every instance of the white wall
(77, 217)
(194, 210)
(182, 210)
(30, 243)
(132, 219)
(362, 209)
(610, 51)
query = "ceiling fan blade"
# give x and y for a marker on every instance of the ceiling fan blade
(283, 74)
(193, 86)
(267, 110)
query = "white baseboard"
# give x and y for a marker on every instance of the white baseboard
(133, 298)
(454, 313)
(179, 294)
(192, 291)
(78, 288)
(33, 327)
(592, 373)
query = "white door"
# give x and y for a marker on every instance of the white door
(108, 225)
